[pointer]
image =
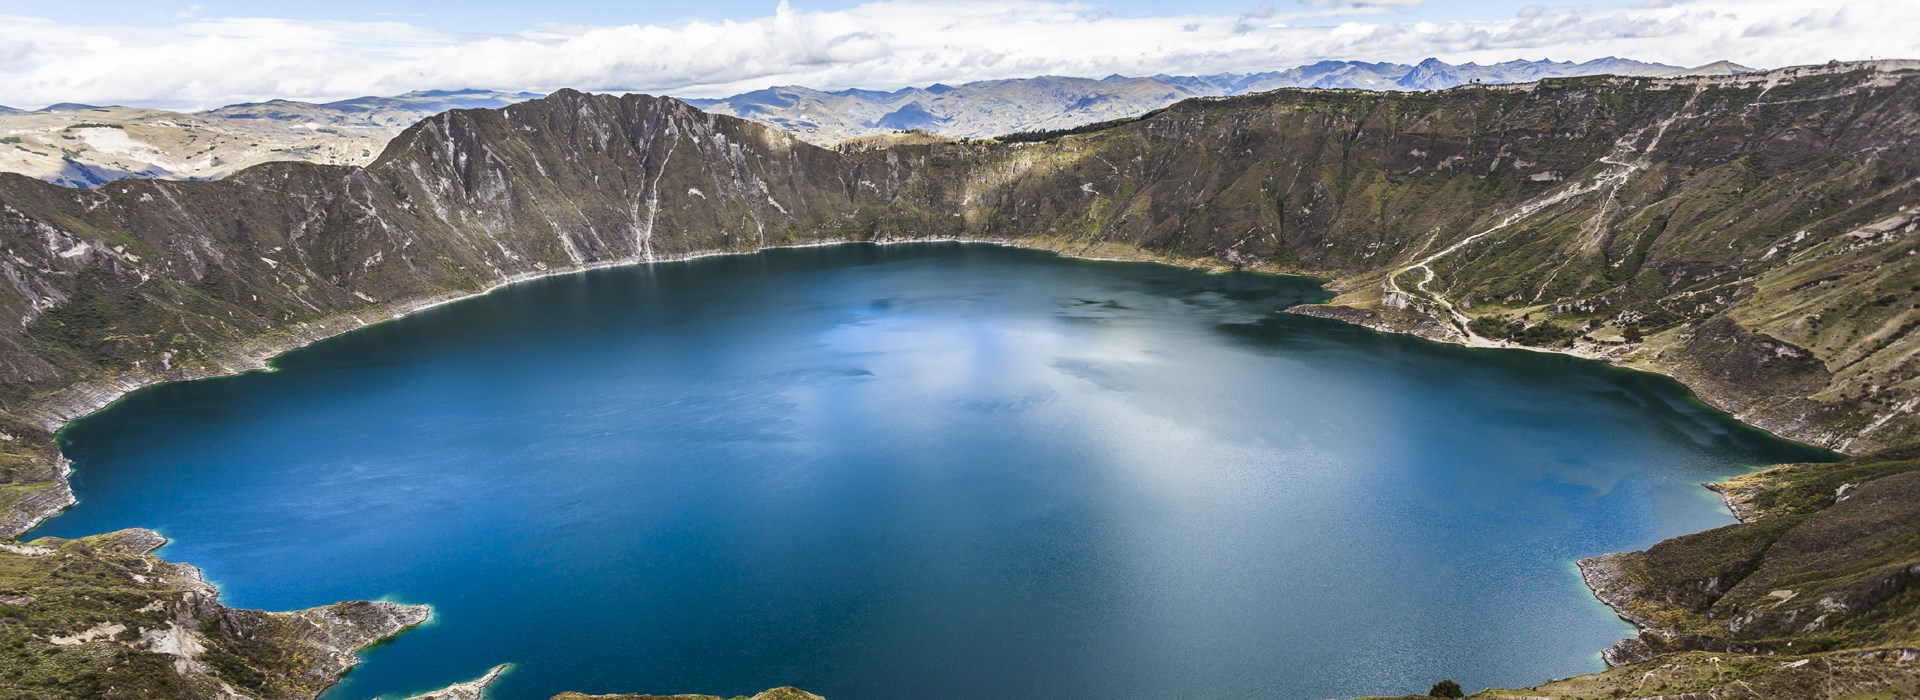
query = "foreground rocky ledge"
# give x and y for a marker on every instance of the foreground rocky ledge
(100, 617)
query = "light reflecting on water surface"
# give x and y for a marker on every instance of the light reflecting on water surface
(925, 471)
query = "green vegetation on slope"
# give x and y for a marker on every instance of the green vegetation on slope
(99, 618)
(1806, 573)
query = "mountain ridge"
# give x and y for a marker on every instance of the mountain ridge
(87, 145)
(994, 107)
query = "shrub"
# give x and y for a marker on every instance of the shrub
(1446, 689)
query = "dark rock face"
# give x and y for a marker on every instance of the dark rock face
(1764, 380)
(1736, 355)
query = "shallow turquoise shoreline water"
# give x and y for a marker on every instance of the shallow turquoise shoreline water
(941, 470)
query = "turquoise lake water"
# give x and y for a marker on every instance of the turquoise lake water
(920, 471)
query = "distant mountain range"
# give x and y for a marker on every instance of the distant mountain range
(401, 111)
(86, 145)
(997, 107)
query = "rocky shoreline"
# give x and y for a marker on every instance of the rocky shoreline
(53, 412)
(471, 690)
(1810, 595)
(107, 594)
(1600, 573)
(338, 644)
(1790, 419)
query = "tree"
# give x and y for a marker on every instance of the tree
(1446, 689)
(1633, 334)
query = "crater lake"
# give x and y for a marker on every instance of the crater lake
(925, 471)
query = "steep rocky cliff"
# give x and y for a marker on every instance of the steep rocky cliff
(1751, 235)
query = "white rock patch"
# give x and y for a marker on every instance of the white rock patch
(104, 630)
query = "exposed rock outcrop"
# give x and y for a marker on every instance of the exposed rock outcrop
(100, 617)
(471, 690)
(1383, 319)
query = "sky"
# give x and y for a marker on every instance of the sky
(185, 55)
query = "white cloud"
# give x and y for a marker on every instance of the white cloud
(1362, 3)
(197, 61)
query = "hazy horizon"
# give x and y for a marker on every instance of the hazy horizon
(197, 56)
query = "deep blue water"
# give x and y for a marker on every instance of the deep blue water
(920, 471)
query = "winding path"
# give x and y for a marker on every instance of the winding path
(1626, 159)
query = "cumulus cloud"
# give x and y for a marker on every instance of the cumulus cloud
(202, 61)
